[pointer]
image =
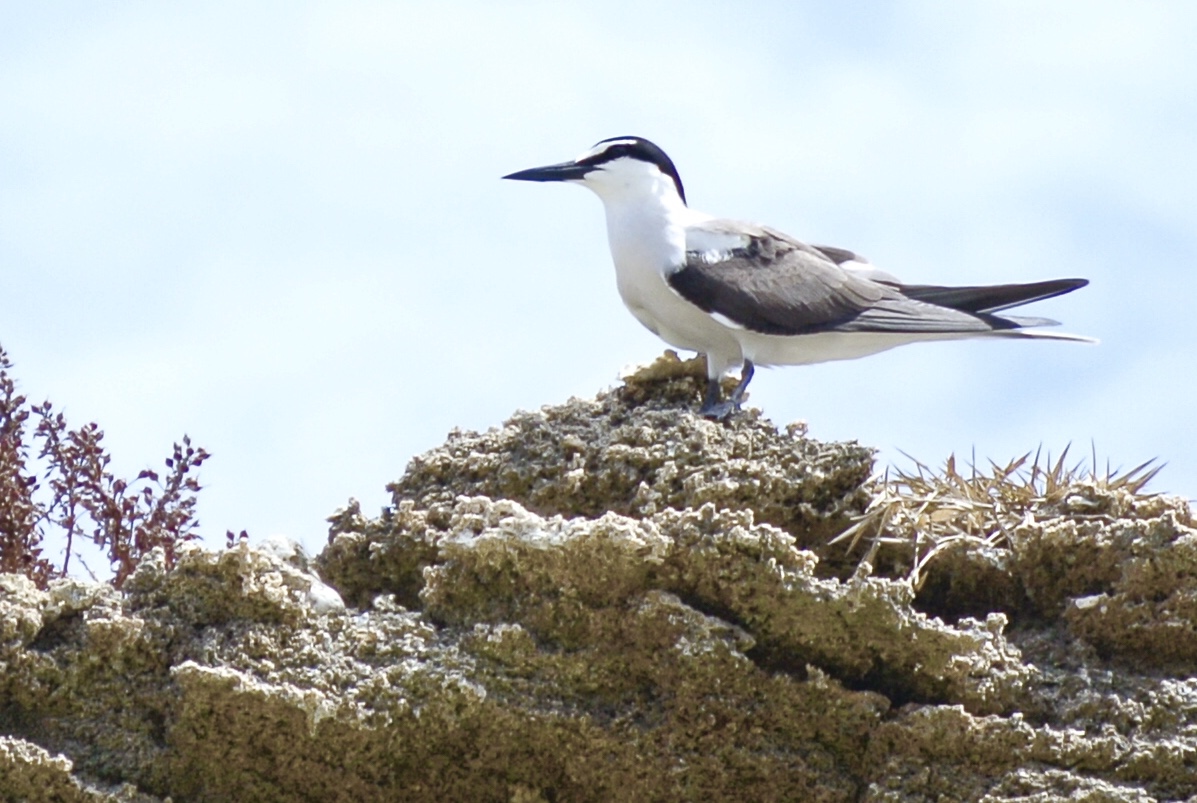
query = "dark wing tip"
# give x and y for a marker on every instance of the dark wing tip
(991, 298)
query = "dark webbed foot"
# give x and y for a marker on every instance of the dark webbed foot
(714, 407)
(719, 411)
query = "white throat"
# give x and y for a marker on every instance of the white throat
(647, 228)
(646, 218)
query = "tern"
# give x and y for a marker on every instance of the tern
(743, 294)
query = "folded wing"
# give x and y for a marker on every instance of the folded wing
(768, 282)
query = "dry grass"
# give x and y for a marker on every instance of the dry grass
(924, 512)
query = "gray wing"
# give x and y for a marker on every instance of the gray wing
(977, 298)
(771, 283)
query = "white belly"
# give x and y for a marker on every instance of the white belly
(828, 346)
(675, 320)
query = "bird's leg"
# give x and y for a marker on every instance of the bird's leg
(717, 410)
(712, 405)
(745, 377)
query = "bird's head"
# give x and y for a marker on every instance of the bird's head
(617, 169)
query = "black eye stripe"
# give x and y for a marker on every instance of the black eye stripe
(635, 148)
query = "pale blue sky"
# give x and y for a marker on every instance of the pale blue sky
(279, 227)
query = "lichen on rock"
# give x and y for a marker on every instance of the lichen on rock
(637, 450)
(616, 599)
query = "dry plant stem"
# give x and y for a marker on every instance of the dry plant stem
(78, 496)
(929, 510)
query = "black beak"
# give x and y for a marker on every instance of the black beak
(566, 171)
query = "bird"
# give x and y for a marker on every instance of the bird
(744, 294)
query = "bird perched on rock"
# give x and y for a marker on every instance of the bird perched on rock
(743, 294)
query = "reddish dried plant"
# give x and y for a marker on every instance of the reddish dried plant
(79, 497)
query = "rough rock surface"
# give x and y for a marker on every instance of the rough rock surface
(616, 600)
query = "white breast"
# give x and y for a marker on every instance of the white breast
(646, 245)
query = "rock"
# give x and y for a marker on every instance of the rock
(615, 599)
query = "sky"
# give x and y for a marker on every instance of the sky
(279, 228)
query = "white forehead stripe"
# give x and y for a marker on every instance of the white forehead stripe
(603, 147)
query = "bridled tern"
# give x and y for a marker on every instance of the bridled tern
(743, 294)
